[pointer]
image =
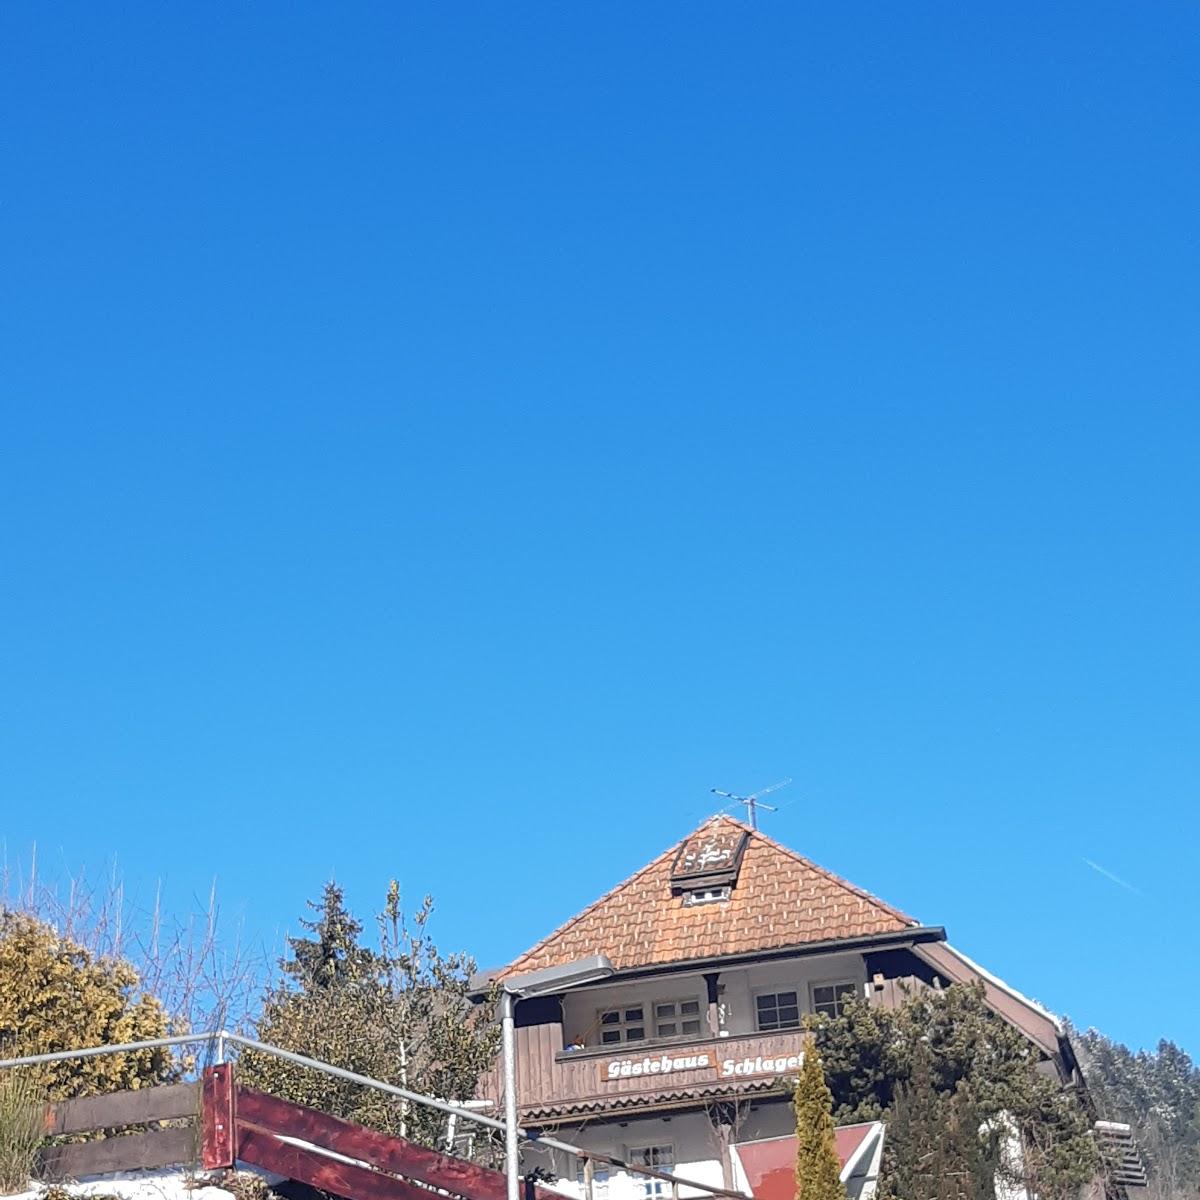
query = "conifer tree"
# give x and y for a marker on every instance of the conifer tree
(870, 1053)
(817, 1167)
(932, 1148)
(398, 1012)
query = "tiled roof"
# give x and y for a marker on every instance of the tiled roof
(780, 900)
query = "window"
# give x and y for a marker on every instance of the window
(599, 1180)
(676, 1018)
(626, 1024)
(711, 895)
(777, 1010)
(829, 999)
(657, 1158)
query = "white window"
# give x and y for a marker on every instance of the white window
(626, 1024)
(676, 1018)
(599, 1180)
(710, 895)
(829, 999)
(658, 1158)
(776, 1010)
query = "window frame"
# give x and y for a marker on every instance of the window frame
(778, 990)
(855, 986)
(622, 1024)
(678, 1018)
(648, 1187)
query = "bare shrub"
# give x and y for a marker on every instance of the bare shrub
(205, 976)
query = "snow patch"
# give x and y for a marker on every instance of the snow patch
(167, 1183)
(996, 981)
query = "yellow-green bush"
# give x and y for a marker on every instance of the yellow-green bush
(55, 995)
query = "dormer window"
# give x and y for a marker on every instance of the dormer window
(708, 895)
(710, 858)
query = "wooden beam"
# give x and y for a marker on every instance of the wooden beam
(394, 1154)
(262, 1149)
(170, 1102)
(219, 1113)
(133, 1152)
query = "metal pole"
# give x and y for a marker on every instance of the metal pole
(184, 1039)
(512, 1151)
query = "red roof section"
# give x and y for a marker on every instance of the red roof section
(770, 1165)
(780, 900)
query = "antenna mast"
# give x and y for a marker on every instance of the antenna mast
(753, 802)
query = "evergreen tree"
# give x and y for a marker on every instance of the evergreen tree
(817, 1167)
(933, 1149)
(398, 1012)
(870, 1054)
(1157, 1093)
(333, 957)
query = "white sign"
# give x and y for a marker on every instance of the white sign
(666, 1064)
(760, 1065)
(626, 1068)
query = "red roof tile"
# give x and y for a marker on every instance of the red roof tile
(780, 900)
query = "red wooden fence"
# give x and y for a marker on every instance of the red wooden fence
(240, 1125)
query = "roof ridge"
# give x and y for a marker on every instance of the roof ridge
(612, 891)
(899, 914)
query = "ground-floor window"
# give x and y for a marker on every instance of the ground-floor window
(599, 1180)
(657, 1158)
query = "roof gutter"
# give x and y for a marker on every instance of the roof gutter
(900, 939)
(896, 940)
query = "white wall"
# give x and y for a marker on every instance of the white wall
(580, 1007)
(697, 1155)
(791, 974)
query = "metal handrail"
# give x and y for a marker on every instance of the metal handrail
(184, 1039)
(222, 1037)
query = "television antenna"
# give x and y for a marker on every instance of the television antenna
(753, 802)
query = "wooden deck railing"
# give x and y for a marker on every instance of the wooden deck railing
(122, 1151)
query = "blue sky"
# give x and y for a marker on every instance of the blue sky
(444, 441)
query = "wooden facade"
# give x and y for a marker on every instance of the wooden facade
(554, 1084)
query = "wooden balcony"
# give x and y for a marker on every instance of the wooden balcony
(555, 1086)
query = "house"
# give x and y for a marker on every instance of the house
(720, 947)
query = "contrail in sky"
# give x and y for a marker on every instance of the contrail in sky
(1109, 875)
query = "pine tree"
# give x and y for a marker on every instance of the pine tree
(817, 1167)
(399, 1013)
(334, 956)
(870, 1054)
(1158, 1094)
(933, 1149)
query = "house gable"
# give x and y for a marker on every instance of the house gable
(777, 899)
